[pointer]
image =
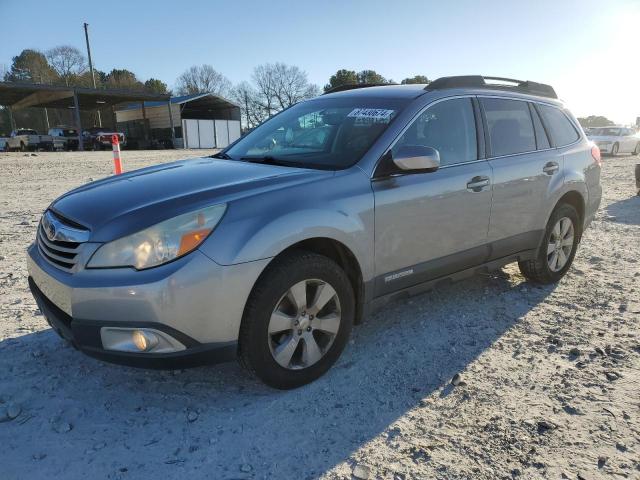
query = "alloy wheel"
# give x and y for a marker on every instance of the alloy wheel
(560, 244)
(304, 324)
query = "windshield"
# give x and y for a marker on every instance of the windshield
(321, 133)
(605, 131)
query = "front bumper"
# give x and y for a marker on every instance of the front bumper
(85, 336)
(193, 299)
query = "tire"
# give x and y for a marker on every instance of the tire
(22, 147)
(272, 297)
(636, 151)
(540, 269)
(615, 149)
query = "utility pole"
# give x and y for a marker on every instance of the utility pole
(46, 114)
(93, 77)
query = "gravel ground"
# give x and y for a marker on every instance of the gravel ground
(548, 378)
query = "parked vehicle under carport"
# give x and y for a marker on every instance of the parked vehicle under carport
(64, 138)
(24, 139)
(99, 138)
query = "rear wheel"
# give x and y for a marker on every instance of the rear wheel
(22, 147)
(297, 320)
(636, 151)
(558, 247)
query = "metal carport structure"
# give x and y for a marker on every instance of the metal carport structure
(16, 96)
(201, 107)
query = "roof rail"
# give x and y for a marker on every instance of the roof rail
(497, 83)
(353, 86)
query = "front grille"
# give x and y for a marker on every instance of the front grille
(62, 254)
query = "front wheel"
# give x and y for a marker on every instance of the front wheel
(297, 320)
(615, 149)
(558, 247)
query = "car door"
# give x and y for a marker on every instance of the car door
(524, 166)
(431, 224)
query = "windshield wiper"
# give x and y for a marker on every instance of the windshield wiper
(269, 160)
(221, 155)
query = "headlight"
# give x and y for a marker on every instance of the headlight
(160, 243)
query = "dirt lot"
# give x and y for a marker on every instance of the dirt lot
(550, 375)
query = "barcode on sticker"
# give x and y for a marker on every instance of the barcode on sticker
(372, 113)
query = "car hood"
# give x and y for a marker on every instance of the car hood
(124, 204)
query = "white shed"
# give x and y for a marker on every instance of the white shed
(201, 120)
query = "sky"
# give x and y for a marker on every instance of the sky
(587, 50)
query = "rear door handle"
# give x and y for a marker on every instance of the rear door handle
(476, 184)
(551, 168)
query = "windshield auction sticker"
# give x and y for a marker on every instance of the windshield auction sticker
(378, 114)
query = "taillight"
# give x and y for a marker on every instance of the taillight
(595, 153)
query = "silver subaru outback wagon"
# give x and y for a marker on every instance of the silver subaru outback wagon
(271, 250)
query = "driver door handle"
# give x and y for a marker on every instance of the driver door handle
(477, 184)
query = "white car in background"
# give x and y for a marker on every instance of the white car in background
(614, 140)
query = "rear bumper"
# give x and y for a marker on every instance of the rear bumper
(605, 148)
(107, 143)
(85, 336)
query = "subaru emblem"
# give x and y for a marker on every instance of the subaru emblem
(51, 231)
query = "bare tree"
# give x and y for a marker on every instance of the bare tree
(279, 86)
(202, 79)
(250, 106)
(68, 62)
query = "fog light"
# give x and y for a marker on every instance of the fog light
(144, 341)
(139, 340)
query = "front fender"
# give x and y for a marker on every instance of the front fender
(340, 208)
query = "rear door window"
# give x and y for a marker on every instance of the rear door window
(558, 125)
(510, 126)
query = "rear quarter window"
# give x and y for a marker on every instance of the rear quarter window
(541, 136)
(558, 125)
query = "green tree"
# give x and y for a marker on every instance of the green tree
(124, 79)
(415, 79)
(371, 77)
(153, 85)
(341, 77)
(31, 66)
(595, 121)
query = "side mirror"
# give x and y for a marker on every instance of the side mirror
(418, 158)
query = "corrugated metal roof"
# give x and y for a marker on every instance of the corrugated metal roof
(176, 100)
